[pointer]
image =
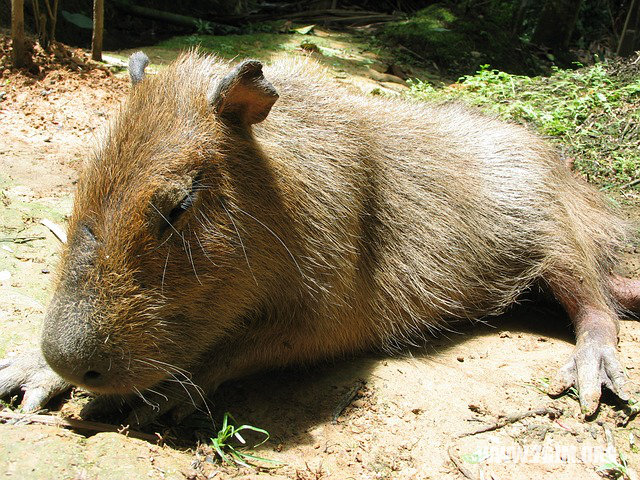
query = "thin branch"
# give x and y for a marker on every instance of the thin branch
(347, 399)
(20, 239)
(466, 473)
(74, 424)
(516, 417)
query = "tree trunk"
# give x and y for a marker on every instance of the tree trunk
(630, 37)
(20, 54)
(98, 26)
(45, 21)
(518, 18)
(556, 24)
(53, 19)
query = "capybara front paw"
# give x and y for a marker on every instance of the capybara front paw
(30, 373)
(591, 366)
(147, 406)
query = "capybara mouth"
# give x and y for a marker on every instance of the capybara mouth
(117, 380)
(121, 382)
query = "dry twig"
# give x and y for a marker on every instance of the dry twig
(20, 239)
(466, 473)
(516, 417)
(347, 399)
(74, 424)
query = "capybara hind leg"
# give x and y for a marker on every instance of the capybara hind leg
(626, 292)
(593, 363)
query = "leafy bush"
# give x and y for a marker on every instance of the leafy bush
(591, 112)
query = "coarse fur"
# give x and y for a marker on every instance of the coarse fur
(340, 223)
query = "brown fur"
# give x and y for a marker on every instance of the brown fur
(338, 224)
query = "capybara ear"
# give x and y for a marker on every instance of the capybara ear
(244, 95)
(137, 63)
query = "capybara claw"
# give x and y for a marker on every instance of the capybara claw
(173, 408)
(104, 406)
(30, 373)
(147, 413)
(591, 367)
(144, 408)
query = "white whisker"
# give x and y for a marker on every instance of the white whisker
(244, 251)
(277, 238)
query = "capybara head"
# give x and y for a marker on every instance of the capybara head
(155, 271)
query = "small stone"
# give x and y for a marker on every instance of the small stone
(45, 270)
(460, 359)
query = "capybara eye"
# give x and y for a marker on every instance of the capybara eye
(182, 207)
(89, 232)
(185, 203)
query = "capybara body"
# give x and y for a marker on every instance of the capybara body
(206, 240)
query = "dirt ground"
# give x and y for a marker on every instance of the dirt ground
(413, 416)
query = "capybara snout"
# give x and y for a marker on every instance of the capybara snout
(79, 341)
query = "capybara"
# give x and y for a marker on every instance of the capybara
(232, 221)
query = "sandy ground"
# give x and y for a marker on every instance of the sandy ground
(373, 417)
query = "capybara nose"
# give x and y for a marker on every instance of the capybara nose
(77, 366)
(94, 379)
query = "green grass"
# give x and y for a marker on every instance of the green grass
(231, 46)
(228, 453)
(256, 45)
(594, 115)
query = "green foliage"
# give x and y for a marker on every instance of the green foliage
(429, 31)
(458, 38)
(203, 27)
(591, 112)
(236, 455)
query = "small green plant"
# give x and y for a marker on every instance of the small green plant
(203, 27)
(615, 469)
(542, 386)
(632, 443)
(236, 455)
(478, 456)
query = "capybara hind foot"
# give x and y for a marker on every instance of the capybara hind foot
(626, 291)
(593, 363)
(591, 366)
(30, 373)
